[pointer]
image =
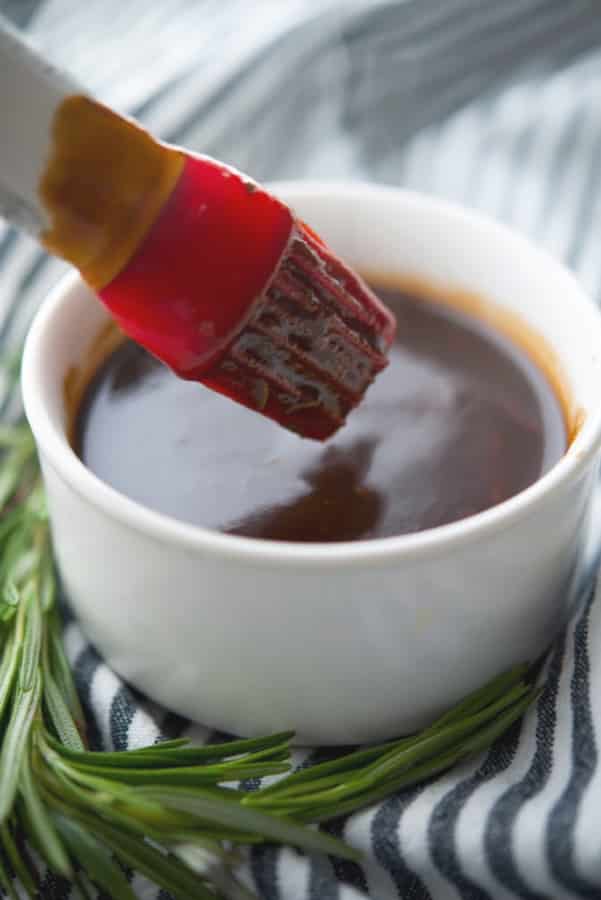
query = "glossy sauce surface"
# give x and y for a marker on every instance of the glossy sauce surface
(460, 420)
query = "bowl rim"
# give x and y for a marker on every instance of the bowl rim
(56, 449)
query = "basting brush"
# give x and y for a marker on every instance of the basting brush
(199, 264)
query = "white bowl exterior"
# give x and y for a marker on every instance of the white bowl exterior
(346, 643)
(342, 655)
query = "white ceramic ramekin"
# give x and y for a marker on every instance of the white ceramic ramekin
(348, 642)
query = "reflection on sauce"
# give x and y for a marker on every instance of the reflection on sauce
(460, 420)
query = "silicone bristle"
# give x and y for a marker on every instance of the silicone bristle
(312, 344)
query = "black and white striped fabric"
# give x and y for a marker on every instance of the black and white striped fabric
(497, 105)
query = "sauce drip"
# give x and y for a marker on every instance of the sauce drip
(103, 186)
(461, 420)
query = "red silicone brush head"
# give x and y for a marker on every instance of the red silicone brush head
(313, 343)
(229, 289)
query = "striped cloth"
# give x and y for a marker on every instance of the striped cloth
(493, 104)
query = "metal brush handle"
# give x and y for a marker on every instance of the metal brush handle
(30, 91)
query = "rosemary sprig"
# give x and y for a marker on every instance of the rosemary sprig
(358, 779)
(167, 811)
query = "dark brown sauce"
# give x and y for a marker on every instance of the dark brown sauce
(461, 420)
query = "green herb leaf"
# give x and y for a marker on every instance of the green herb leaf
(232, 814)
(60, 716)
(43, 831)
(98, 863)
(6, 882)
(32, 645)
(14, 744)
(16, 860)
(56, 660)
(8, 670)
(164, 870)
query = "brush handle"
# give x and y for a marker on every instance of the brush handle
(31, 89)
(85, 181)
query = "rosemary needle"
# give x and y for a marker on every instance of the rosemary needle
(168, 810)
